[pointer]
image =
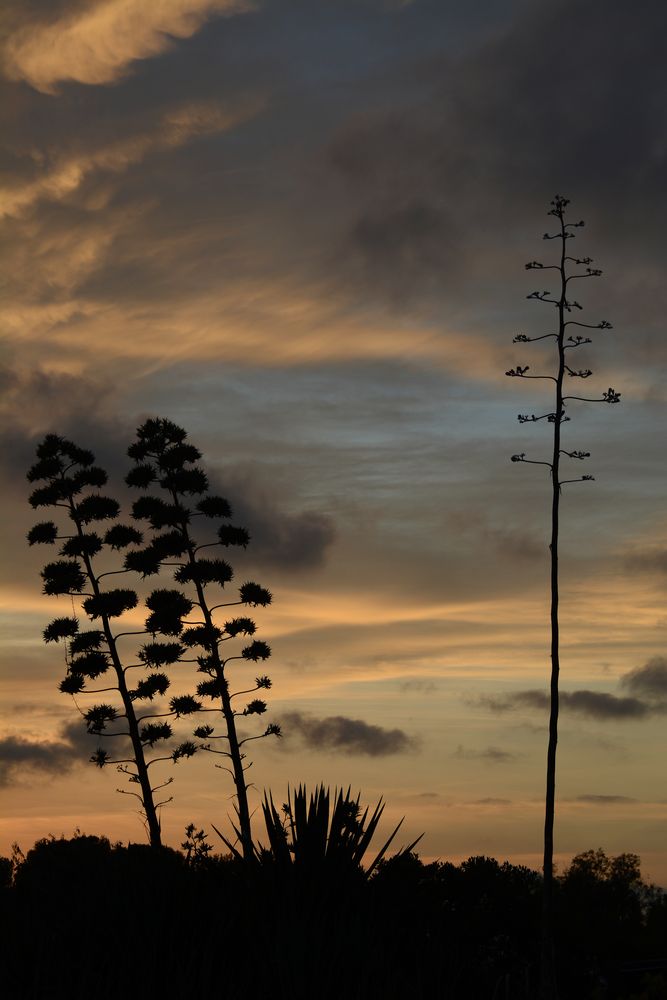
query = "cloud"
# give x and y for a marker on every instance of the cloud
(175, 127)
(595, 704)
(21, 757)
(418, 685)
(339, 733)
(491, 802)
(95, 44)
(494, 755)
(605, 800)
(649, 681)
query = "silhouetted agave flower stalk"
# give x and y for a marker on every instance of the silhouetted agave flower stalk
(567, 339)
(166, 459)
(66, 472)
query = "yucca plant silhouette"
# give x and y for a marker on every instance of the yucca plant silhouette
(321, 834)
(569, 268)
(66, 472)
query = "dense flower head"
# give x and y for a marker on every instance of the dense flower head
(205, 571)
(177, 455)
(96, 508)
(154, 731)
(214, 507)
(80, 545)
(184, 704)
(97, 718)
(185, 749)
(168, 608)
(159, 513)
(149, 686)
(230, 535)
(141, 475)
(110, 604)
(159, 654)
(60, 628)
(202, 635)
(254, 595)
(190, 481)
(122, 535)
(63, 577)
(90, 664)
(44, 533)
(240, 626)
(72, 684)
(82, 642)
(257, 650)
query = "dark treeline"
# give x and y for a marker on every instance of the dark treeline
(84, 918)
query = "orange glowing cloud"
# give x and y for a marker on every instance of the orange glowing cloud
(95, 45)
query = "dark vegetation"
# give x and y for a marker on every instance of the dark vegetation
(85, 918)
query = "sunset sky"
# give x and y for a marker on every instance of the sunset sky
(299, 228)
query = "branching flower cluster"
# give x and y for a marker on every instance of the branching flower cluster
(569, 269)
(70, 483)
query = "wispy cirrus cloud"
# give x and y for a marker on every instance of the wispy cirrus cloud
(175, 127)
(96, 44)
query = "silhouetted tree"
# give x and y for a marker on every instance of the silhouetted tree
(67, 474)
(569, 269)
(167, 460)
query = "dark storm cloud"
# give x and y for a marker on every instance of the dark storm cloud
(35, 401)
(494, 755)
(341, 734)
(605, 800)
(290, 541)
(595, 704)
(567, 97)
(22, 758)
(649, 681)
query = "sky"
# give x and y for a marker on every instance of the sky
(300, 231)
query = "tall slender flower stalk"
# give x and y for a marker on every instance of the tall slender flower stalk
(66, 472)
(167, 460)
(569, 269)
